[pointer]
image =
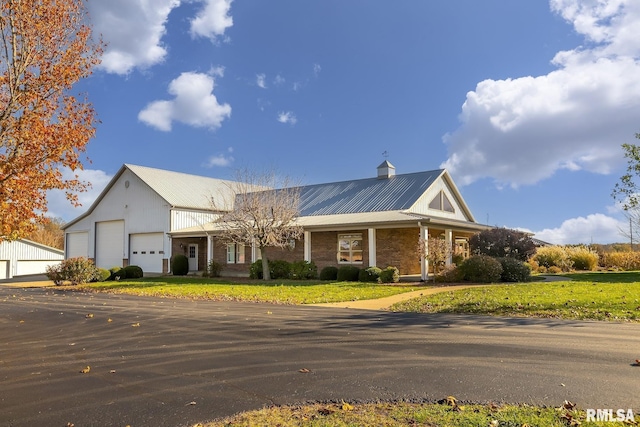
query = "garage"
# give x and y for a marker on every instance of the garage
(27, 267)
(77, 244)
(109, 244)
(4, 269)
(24, 257)
(147, 251)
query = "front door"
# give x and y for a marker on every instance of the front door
(193, 257)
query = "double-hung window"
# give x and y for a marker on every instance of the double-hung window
(350, 248)
(235, 253)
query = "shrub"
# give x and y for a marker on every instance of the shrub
(255, 270)
(329, 273)
(118, 274)
(133, 272)
(369, 275)
(449, 274)
(514, 270)
(348, 273)
(553, 256)
(390, 275)
(621, 260)
(480, 269)
(280, 269)
(75, 270)
(180, 265)
(583, 258)
(503, 243)
(214, 269)
(303, 270)
(103, 274)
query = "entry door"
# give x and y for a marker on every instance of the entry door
(193, 257)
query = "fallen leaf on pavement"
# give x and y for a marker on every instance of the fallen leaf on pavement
(109, 320)
(346, 407)
(89, 316)
(304, 371)
(190, 403)
(85, 370)
(135, 325)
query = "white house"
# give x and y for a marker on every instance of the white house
(146, 215)
(24, 257)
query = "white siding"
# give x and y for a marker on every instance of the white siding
(422, 205)
(181, 218)
(19, 252)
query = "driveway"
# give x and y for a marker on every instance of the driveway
(166, 362)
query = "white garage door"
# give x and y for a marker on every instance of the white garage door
(109, 244)
(77, 244)
(147, 251)
(4, 269)
(33, 267)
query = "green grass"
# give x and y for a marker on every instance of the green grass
(406, 414)
(606, 296)
(278, 292)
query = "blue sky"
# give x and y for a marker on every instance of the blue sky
(525, 103)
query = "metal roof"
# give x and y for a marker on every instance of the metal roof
(396, 193)
(184, 190)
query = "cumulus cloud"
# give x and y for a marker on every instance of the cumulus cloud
(520, 131)
(59, 206)
(594, 228)
(212, 20)
(220, 160)
(261, 81)
(133, 29)
(287, 117)
(194, 104)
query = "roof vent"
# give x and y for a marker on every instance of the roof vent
(386, 170)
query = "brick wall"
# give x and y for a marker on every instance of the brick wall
(185, 242)
(324, 248)
(398, 247)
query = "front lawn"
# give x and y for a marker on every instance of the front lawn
(277, 292)
(605, 296)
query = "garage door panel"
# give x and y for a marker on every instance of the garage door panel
(109, 244)
(77, 244)
(147, 251)
(4, 269)
(28, 267)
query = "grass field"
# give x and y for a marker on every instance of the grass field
(276, 292)
(596, 296)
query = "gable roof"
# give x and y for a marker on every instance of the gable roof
(397, 193)
(179, 190)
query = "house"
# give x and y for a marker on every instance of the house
(145, 215)
(24, 257)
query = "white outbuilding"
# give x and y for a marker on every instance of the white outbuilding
(24, 257)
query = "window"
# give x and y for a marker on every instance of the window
(235, 253)
(350, 248)
(442, 203)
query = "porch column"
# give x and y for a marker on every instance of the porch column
(307, 246)
(372, 247)
(209, 249)
(424, 262)
(254, 252)
(448, 238)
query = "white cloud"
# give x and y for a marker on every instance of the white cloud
(296, 86)
(287, 117)
(59, 206)
(217, 71)
(133, 29)
(261, 80)
(194, 104)
(220, 160)
(520, 131)
(278, 80)
(595, 228)
(212, 21)
(316, 69)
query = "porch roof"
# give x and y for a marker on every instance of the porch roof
(385, 219)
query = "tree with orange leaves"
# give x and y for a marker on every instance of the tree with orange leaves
(46, 46)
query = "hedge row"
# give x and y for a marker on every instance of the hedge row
(82, 270)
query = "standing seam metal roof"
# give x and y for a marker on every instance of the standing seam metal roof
(397, 193)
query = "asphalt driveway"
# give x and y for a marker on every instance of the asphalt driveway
(166, 362)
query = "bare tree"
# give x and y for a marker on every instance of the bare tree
(263, 212)
(437, 251)
(632, 230)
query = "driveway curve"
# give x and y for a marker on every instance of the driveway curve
(167, 362)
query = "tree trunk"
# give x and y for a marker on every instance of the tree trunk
(266, 274)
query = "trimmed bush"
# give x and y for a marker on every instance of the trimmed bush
(303, 270)
(214, 269)
(449, 274)
(329, 273)
(75, 270)
(390, 275)
(255, 270)
(180, 265)
(480, 269)
(279, 269)
(369, 275)
(553, 256)
(103, 275)
(133, 272)
(348, 273)
(514, 270)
